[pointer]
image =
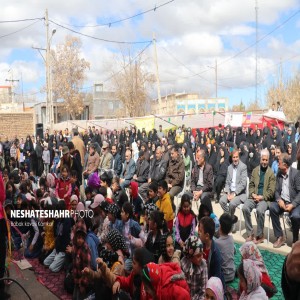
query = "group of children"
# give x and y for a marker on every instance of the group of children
(133, 249)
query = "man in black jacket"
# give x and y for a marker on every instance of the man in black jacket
(157, 172)
(142, 169)
(287, 199)
(116, 162)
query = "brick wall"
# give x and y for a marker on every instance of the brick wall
(20, 124)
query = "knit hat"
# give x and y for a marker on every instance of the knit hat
(116, 240)
(193, 246)
(149, 208)
(113, 209)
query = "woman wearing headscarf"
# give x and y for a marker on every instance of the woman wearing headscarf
(222, 164)
(250, 281)
(253, 160)
(214, 289)
(249, 250)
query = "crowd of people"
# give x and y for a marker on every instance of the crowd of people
(139, 244)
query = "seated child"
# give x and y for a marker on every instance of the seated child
(132, 283)
(250, 281)
(249, 250)
(225, 244)
(81, 258)
(164, 203)
(185, 222)
(214, 289)
(167, 250)
(152, 193)
(129, 228)
(194, 267)
(62, 232)
(156, 223)
(211, 252)
(135, 199)
(165, 281)
(205, 212)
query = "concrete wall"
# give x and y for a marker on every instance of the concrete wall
(20, 124)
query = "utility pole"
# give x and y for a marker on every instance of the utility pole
(157, 75)
(256, 52)
(12, 80)
(216, 70)
(48, 113)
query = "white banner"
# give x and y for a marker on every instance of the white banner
(233, 119)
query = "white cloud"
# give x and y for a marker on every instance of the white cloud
(196, 32)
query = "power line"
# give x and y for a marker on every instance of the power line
(195, 74)
(19, 30)
(21, 20)
(97, 38)
(109, 24)
(123, 68)
(260, 39)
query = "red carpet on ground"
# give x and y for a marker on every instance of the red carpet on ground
(54, 282)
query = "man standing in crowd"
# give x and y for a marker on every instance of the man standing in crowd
(261, 191)
(235, 186)
(175, 173)
(106, 157)
(287, 199)
(202, 180)
(79, 145)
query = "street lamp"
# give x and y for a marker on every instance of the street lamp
(216, 74)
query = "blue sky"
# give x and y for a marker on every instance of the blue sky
(191, 35)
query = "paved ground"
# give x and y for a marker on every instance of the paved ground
(28, 280)
(274, 263)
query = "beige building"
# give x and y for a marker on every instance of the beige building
(184, 103)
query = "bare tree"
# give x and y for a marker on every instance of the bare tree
(131, 82)
(287, 93)
(68, 73)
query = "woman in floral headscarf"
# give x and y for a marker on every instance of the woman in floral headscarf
(214, 289)
(194, 267)
(249, 250)
(250, 281)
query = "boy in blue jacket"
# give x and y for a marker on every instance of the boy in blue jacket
(211, 252)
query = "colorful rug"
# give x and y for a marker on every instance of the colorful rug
(54, 282)
(273, 262)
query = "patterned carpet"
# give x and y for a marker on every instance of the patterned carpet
(273, 263)
(54, 282)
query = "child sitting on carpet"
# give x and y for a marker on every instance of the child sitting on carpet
(81, 258)
(225, 244)
(250, 281)
(211, 252)
(214, 289)
(185, 222)
(132, 284)
(63, 188)
(249, 250)
(194, 267)
(164, 203)
(167, 250)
